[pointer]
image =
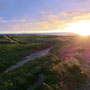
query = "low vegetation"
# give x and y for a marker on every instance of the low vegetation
(12, 53)
(57, 74)
(45, 73)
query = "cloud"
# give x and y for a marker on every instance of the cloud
(82, 17)
(45, 22)
(2, 20)
(22, 20)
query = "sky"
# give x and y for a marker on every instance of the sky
(35, 16)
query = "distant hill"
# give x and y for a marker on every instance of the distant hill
(58, 33)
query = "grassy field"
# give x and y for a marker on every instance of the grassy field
(50, 72)
(57, 75)
(12, 53)
(4, 40)
(33, 38)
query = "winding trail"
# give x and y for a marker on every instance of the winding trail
(30, 57)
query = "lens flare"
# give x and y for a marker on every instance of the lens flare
(82, 27)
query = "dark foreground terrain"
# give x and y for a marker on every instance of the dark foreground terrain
(64, 67)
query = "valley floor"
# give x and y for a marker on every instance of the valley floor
(65, 66)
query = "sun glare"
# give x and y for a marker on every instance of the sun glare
(82, 27)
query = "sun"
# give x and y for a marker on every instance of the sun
(81, 27)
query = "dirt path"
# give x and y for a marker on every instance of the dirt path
(30, 57)
(11, 39)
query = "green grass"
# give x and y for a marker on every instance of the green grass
(2, 37)
(3, 40)
(12, 53)
(33, 38)
(57, 75)
(26, 39)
